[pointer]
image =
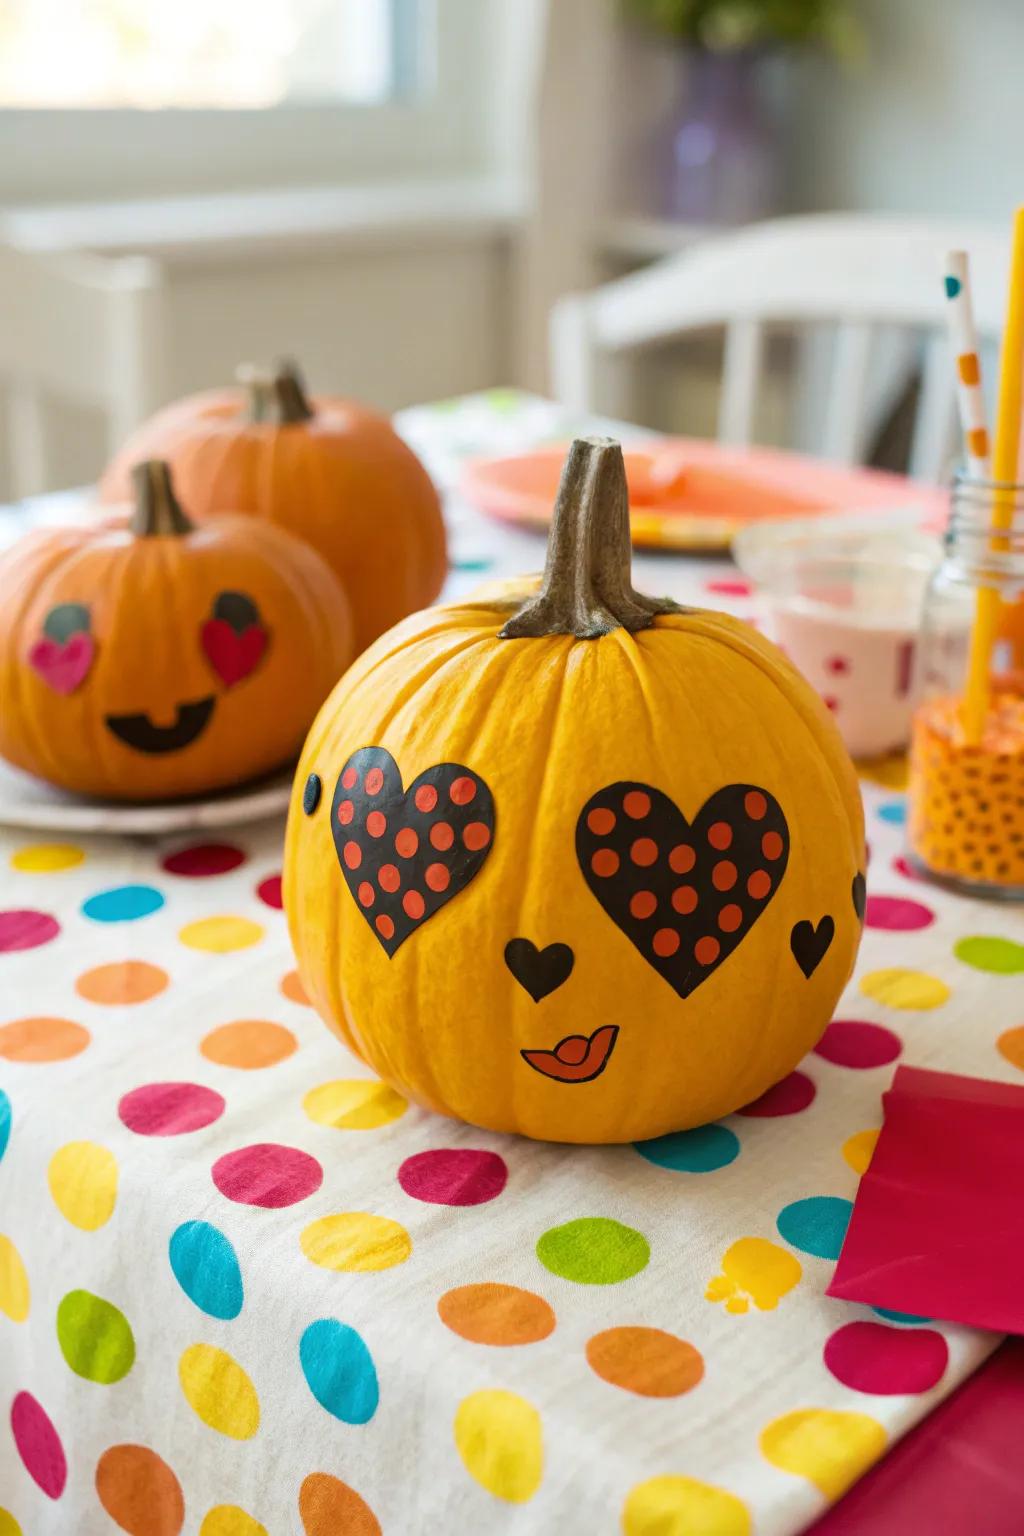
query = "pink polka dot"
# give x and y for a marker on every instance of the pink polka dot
(788, 1097)
(453, 1176)
(839, 666)
(204, 859)
(267, 1174)
(897, 914)
(269, 892)
(21, 928)
(169, 1109)
(38, 1445)
(851, 1043)
(872, 1357)
(907, 870)
(732, 586)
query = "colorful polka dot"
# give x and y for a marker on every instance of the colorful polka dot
(123, 904)
(997, 957)
(858, 1150)
(894, 812)
(202, 860)
(897, 987)
(354, 1104)
(268, 1175)
(221, 935)
(729, 586)
(754, 1270)
(339, 1370)
(897, 914)
(499, 1437)
(122, 983)
(495, 1314)
(327, 1506)
(857, 1044)
(453, 1176)
(24, 928)
(829, 1447)
(6, 1117)
(816, 1225)
(15, 1291)
(293, 990)
(42, 1040)
(353, 1242)
(230, 1520)
(170, 1109)
(139, 1491)
(95, 1337)
(893, 1316)
(219, 1391)
(788, 1097)
(872, 1357)
(249, 1044)
(38, 1445)
(47, 858)
(270, 893)
(701, 1150)
(205, 1265)
(83, 1179)
(594, 1250)
(8, 1525)
(647, 1361)
(683, 1506)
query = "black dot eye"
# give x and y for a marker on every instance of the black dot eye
(311, 794)
(65, 620)
(237, 610)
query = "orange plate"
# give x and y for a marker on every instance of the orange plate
(686, 493)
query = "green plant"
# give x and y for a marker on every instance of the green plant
(731, 24)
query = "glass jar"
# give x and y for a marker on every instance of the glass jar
(966, 821)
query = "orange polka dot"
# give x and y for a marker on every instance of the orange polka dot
(376, 823)
(462, 791)
(601, 821)
(643, 904)
(755, 804)
(644, 851)
(476, 836)
(353, 855)
(441, 837)
(122, 981)
(723, 876)
(349, 778)
(637, 804)
(42, 1039)
(501, 1315)
(389, 877)
(437, 877)
(771, 845)
(665, 942)
(646, 1361)
(605, 862)
(682, 859)
(384, 926)
(720, 835)
(759, 884)
(730, 918)
(425, 797)
(406, 843)
(684, 899)
(414, 905)
(366, 893)
(374, 781)
(346, 810)
(248, 1044)
(293, 990)
(706, 950)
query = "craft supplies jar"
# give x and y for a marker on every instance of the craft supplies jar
(966, 823)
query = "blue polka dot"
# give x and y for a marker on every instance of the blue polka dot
(206, 1267)
(5, 1121)
(893, 811)
(473, 563)
(816, 1226)
(339, 1370)
(697, 1151)
(123, 903)
(899, 1317)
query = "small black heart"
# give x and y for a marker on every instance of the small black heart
(810, 944)
(859, 892)
(540, 971)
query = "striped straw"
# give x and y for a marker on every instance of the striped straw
(964, 341)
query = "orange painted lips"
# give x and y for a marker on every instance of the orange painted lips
(577, 1058)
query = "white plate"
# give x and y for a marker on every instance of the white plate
(28, 802)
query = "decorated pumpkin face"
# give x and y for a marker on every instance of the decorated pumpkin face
(586, 867)
(154, 660)
(329, 470)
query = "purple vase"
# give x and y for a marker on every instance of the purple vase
(720, 151)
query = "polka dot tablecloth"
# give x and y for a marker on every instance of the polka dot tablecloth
(246, 1288)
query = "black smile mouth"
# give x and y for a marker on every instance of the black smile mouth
(139, 732)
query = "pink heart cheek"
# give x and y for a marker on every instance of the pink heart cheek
(63, 667)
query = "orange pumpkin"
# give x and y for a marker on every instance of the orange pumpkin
(586, 866)
(329, 470)
(154, 659)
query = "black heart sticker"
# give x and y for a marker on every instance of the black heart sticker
(810, 942)
(405, 853)
(685, 893)
(540, 971)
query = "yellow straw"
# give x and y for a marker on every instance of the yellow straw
(1004, 471)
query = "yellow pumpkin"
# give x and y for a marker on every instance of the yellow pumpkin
(153, 659)
(586, 867)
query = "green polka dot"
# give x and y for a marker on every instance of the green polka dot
(594, 1251)
(95, 1338)
(1001, 956)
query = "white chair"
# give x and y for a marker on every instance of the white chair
(77, 327)
(861, 276)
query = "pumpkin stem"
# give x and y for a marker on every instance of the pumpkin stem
(586, 590)
(158, 512)
(277, 396)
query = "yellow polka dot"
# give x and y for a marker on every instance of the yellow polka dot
(229, 1520)
(354, 1242)
(857, 1150)
(8, 1525)
(219, 1391)
(354, 1104)
(14, 1287)
(899, 988)
(829, 1447)
(47, 858)
(682, 1506)
(498, 1435)
(221, 935)
(83, 1182)
(890, 772)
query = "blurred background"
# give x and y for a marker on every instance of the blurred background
(396, 192)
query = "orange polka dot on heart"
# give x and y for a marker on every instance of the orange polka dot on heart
(755, 804)
(248, 1044)
(771, 845)
(366, 893)
(665, 942)
(684, 899)
(384, 926)
(374, 781)
(706, 950)
(647, 1361)
(425, 797)
(682, 859)
(437, 877)
(389, 877)
(601, 821)
(644, 851)
(441, 837)
(462, 791)
(720, 835)
(476, 836)
(643, 904)
(293, 990)
(376, 823)
(605, 862)
(353, 855)
(730, 918)
(42, 1039)
(122, 982)
(406, 843)
(636, 804)
(346, 810)
(759, 884)
(723, 876)
(349, 778)
(414, 905)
